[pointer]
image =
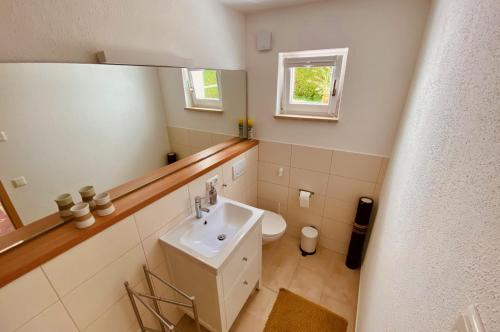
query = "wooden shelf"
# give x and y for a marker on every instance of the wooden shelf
(28, 256)
(53, 220)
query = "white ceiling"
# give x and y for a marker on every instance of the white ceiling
(250, 6)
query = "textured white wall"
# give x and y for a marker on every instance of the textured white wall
(383, 37)
(70, 125)
(435, 246)
(60, 31)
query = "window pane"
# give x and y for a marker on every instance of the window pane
(205, 84)
(311, 85)
(210, 81)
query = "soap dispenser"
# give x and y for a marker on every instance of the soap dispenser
(212, 195)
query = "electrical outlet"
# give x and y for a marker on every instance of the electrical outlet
(214, 181)
(3, 136)
(19, 182)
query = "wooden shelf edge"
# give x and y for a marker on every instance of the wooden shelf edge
(30, 255)
(27, 232)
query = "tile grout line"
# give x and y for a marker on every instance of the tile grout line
(60, 300)
(104, 267)
(111, 306)
(40, 313)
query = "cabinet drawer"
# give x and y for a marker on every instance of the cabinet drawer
(242, 288)
(240, 259)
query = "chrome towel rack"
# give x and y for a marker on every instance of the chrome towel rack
(165, 324)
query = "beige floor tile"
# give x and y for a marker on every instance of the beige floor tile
(261, 302)
(276, 276)
(248, 322)
(307, 283)
(322, 278)
(287, 243)
(187, 324)
(342, 283)
(321, 262)
(348, 312)
(268, 250)
(278, 271)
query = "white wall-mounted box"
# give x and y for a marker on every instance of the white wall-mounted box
(239, 168)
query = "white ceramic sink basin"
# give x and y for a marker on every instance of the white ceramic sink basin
(212, 238)
(211, 234)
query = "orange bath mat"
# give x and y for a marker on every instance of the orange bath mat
(292, 312)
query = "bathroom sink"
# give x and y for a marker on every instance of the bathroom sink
(212, 238)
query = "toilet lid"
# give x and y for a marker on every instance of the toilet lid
(272, 224)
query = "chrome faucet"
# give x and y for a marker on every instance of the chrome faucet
(198, 208)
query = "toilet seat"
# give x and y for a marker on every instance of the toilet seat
(273, 225)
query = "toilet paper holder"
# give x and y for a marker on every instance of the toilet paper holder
(307, 191)
(305, 198)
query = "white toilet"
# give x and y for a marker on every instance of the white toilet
(273, 227)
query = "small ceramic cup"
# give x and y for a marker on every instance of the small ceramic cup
(104, 206)
(88, 193)
(82, 216)
(64, 203)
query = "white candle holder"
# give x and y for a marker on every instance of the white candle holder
(104, 206)
(88, 193)
(64, 203)
(82, 216)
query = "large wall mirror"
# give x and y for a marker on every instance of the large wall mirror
(64, 126)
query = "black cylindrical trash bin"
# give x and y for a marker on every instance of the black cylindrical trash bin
(353, 260)
(171, 158)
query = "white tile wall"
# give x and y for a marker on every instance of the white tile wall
(356, 166)
(154, 216)
(54, 318)
(277, 153)
(242, 189)
(313, 159)
(25, 298)
(309, 180)
(71, 268)
(82, 289)
(337, 178)
(268, 172)
(273, 192)
(90, 299)
(185, 141)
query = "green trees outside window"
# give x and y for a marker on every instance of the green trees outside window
(312, 84)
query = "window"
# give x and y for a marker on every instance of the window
(310, 84)
(202, 89)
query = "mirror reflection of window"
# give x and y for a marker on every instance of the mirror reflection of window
(107, 108)
(202, 87)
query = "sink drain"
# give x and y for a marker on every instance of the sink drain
(221, 237)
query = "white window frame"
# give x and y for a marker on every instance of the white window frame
(332, 57)
(205, 104)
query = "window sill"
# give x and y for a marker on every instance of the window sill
(306, 117)
(204, 109)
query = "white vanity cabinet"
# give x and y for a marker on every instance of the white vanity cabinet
(220, 292)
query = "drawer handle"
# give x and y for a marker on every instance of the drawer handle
(245, 282)
(245, 259)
